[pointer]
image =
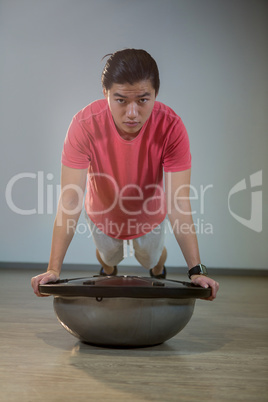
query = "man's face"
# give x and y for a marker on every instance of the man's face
(131, 106)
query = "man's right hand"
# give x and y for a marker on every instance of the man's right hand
(49, 276)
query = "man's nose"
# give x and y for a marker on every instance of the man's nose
(132, 110)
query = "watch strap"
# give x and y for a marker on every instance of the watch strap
(199, 269)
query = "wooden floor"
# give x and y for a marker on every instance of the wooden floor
(221, 355)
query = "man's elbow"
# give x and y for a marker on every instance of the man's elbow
(179, 208)
(71, 202)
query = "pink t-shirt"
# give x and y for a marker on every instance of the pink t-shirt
(125, 196)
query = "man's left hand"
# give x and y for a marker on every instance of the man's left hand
(206, 282)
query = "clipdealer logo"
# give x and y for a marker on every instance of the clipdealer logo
(48, 196)
(255, 221)
(46, 193)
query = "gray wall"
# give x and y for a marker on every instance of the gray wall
(212, 56)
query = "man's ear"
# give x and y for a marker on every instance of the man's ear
(105, 93)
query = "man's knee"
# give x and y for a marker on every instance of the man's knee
(112, 257)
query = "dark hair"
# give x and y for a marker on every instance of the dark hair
(130, 66)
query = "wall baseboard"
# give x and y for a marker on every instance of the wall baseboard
(138, 270)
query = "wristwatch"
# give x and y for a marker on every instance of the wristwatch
(199, 269)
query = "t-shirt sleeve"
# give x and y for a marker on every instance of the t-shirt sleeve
(177, 155)
(76, 147)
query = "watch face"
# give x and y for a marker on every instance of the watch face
(199, 269)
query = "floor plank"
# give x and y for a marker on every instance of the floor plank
(221, 355)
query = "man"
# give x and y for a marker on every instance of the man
(122, 144)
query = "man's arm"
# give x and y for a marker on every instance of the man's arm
(73, 182)
(177, 187)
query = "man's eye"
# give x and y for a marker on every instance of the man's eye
(121, 101)
(143, 100)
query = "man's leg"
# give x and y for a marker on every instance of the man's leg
(150, 250)
(158, 269)
(107, 269)
(107, 248)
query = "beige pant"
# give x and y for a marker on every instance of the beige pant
(147, 248)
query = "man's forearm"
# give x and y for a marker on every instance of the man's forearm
(184, 231)
(63, 232)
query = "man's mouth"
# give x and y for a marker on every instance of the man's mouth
(131, 123)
